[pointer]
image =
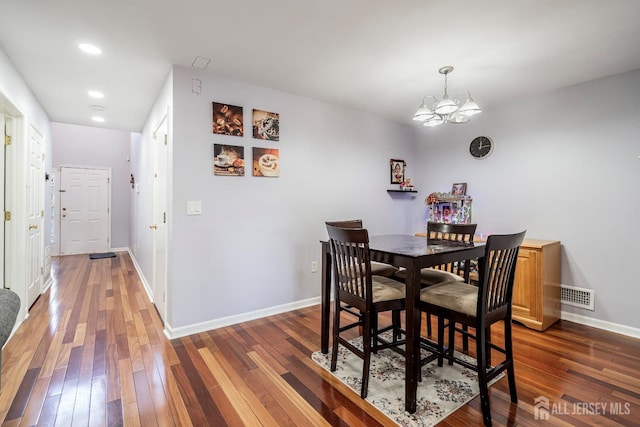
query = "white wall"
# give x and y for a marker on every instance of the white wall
(75, 145)
(141, 151)
(14, 92)
(565, 167)
(252, 247)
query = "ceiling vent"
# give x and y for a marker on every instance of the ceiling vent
(201, 63)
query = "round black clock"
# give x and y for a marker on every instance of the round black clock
(481, 147)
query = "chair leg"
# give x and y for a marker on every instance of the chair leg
(511, 374)
(428, 323)
(374, 330)
(481, 354)
(395, 319)
(465, 338)
(440, 340)
(487, 339)
(452, 341)
(336, 334)
(366, 347)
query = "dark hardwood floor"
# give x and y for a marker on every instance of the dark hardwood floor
(92, 353)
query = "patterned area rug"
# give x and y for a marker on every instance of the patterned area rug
(441, 392)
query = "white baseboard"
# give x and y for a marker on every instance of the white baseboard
(143, 279)
(601, 324)
(47, 284)
(232, 320)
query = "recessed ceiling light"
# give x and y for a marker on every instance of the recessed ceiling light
(89, 48)
(96, 94)
(97, 107)
(98, 119)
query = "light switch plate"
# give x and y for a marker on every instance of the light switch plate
(194, 207)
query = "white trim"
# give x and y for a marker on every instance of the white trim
(232, 320)
(143, 279)
(601, 324)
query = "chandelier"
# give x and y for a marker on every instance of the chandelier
(446, 110)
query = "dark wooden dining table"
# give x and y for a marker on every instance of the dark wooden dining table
(413, 253)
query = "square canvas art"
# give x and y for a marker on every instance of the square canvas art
(266, 162)
(227, 119)
(228, 160)
(266, 125)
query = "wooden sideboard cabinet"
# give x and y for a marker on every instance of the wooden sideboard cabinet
(536, 290)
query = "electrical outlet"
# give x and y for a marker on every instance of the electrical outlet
(314, 266)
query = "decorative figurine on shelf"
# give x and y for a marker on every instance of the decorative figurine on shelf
(406, 185)
(449, 207)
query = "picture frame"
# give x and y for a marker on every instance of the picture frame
(459, 189)
(397, 169)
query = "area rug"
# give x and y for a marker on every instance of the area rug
(441, 392)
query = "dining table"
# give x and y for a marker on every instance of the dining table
(412, 253)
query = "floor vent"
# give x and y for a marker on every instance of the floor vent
(578, 297)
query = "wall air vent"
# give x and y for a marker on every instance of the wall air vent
(577, 297)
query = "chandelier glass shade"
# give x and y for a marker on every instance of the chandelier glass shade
(434, 111)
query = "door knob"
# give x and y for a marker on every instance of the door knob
(33, 226)
(153, 227)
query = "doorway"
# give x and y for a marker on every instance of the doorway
(85, 217)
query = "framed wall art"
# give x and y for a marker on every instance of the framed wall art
(228, 160)
(227, 119)
(397, 170)
(459, 189)
(266, 125)
(266, 162)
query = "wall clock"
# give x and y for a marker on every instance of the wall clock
(481, 147)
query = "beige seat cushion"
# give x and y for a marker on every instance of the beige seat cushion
(385, 289)
(381, 269)
(457, 296)
(432, 276)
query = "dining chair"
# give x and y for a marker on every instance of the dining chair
(377, 268)
(355, 286)
(479, 307)
(443, 232)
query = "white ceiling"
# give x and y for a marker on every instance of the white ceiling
(379, 56)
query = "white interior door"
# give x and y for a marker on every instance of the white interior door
(159, 225)
(84, 210)
(35, 215)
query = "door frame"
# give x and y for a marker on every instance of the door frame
(13, 178)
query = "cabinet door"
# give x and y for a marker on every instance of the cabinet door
(526, 289)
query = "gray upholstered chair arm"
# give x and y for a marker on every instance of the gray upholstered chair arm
(9, 307)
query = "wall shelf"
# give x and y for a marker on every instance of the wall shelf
(402, 191)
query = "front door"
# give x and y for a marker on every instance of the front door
(84, 210)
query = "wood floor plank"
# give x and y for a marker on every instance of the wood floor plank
(229, 388)
(93, 351)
